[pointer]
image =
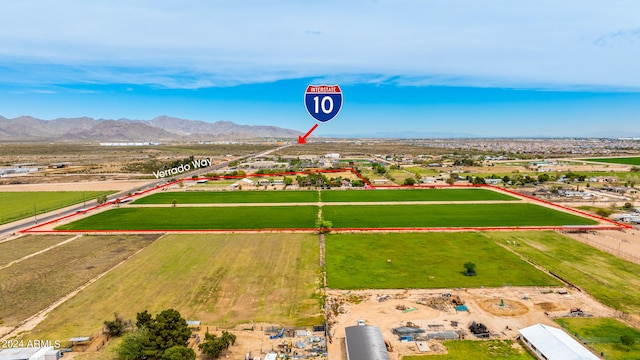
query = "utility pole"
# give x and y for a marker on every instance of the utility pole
(35, 214)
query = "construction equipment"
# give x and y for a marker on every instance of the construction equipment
(388, 345)
(479, 330)
(456, 300)
(279, 336)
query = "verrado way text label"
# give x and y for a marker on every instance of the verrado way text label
(195, 164)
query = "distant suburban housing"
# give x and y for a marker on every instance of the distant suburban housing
(60, 165)
(550, 343)
(147, 143)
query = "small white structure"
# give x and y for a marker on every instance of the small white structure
(492, 181)
(547, 342)
(32, 353)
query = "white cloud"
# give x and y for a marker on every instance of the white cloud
(218, 43)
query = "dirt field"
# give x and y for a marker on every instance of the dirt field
(623, 244)
(523, 306)
(77, 186)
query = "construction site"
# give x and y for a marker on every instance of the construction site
(416, 322)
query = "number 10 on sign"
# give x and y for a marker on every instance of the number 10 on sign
(323, 102)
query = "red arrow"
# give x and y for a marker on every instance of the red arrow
(303, 139)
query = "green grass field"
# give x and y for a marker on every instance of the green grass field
(304, 217)
(449, 215)
(20, 205)
(622, 160)
(414, 195)
(33, 284)
(216, 197)
(219, 279)
(199, 218)
(478, 350)
(26, 245)
(227, 197)
(603, 336)
(424, 260)
(614, 282)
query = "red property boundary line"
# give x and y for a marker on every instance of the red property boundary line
(614, 225)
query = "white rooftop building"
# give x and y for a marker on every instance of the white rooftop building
(550, 343)
(32, 353)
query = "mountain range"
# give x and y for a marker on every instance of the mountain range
(161, 128)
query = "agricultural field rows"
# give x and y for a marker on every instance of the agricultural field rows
(230, 279)
(220, 279)
(613, 281)
(19, 205)
(424, 260)
(33, 284)
(304, 217)
(448, 216)
(618, 160)
(226, 197)
(199, 218)
(26, 245)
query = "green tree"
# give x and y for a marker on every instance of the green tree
(452, 179)
(287, 181)
(174, 202)
(228, 338)
(323, 226)
(143, 319)
(603, 212)
(132, 345)
(409, 181)
(179, 353)
(470, 269)
(627, 340)
(115, 327)
(213, 346)
(167, 330)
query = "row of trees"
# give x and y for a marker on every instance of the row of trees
(163, 337)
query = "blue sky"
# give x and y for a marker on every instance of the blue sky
(487, 68)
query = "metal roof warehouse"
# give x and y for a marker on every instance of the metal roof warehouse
(547, 342)
(364, 342)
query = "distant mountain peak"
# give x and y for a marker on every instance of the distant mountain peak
(161, 128)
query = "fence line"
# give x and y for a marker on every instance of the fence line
(624, 255)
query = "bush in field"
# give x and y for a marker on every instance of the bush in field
(470, 269)
(155, 336)
(117, 326)
(409, 181)
(627, 340)
(213, 346)
(179, 353)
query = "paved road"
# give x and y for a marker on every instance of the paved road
(17, 226)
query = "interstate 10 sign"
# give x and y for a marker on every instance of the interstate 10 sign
(323, 102)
